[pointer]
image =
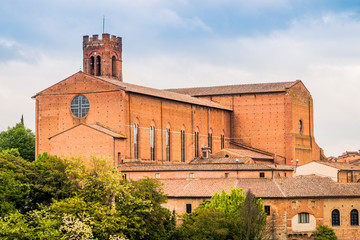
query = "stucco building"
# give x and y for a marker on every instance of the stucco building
(96, 113)
(338, 172)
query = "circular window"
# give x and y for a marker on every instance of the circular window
(300, 126)
(80, 106)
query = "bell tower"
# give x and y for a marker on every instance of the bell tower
(102, 57)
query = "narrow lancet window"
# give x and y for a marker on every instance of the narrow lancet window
(92, 65)
(168, 145)
(152, 143)
(98, 66)
(183, 146)
(113, 66)
(136, 141)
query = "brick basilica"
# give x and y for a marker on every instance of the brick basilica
(96, 113)
(198, 141)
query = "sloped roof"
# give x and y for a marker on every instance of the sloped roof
(165, 94)
(107, 131)
(249, 153)
(340, 166)
(147, 91)
(207, 187)
(285, 187)
(223, 160)
(95, 127)
(236, 89)
(202, 167)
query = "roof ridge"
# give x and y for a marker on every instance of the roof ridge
(161, 93)
(232, 85)
(278, 186)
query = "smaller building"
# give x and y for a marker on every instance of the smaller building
(295, 206)
(338, 172)
(241, 163)
(348, 156)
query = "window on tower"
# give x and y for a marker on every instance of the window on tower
(300, 126)
(113, 66)
(98, 66)
(92, 65)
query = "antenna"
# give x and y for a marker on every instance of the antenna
(103, 24)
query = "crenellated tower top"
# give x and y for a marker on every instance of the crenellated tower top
(102, 57)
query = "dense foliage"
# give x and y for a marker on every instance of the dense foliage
(19, 138)
(226, 216)
(323, 232)
(52, 198)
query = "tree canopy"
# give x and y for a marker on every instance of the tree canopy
(323, 232)
(226, 216)
(20, 138)
(54, 198)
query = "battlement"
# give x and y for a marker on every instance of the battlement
(105, 38)
(102, 56)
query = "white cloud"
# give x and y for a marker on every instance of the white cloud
(324, 54)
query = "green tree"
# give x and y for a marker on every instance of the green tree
(52, 198)
(225, 216)
(37, 182)
(20, 138)
(252, 221)
(323, 232)
(159, 222)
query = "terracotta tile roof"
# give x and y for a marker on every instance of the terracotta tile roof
(354, 161)
(207, 187)
(286, 187)
(240, 160)
(340, 166)
(202, 167)
(165, 94)
(107, 131)
(249, 153)
(236, 89)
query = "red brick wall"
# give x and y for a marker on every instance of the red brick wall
(269, 121)
(146, 110)
(54, 114)
(117, 110)
(82, 141)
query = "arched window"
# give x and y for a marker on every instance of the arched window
(223, 140)
(152, 143)
(113, 66)
(168, 144)
(98, 66)
(92, 65)
(354, 217)
(210, 140)
(197, 143)
(183, 145)
(136, 141)
(335, 218)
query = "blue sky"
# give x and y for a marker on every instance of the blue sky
(181, 43)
